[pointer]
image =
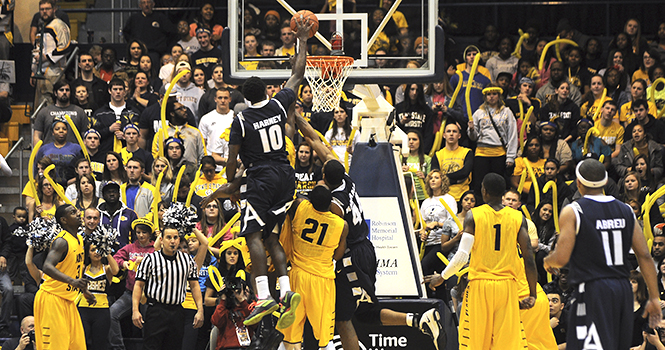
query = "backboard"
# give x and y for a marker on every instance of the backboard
(365, 28)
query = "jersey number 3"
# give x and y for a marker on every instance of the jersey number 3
(272, 139)
(313, 229)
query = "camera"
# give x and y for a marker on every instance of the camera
(31, 334)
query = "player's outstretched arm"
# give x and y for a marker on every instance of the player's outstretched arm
(226, 190)
(564, 247)
(461, 257)
(312, 137)
(529, 266)
(298, 71)
(650, 276)
(339, 252)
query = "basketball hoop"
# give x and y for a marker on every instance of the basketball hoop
(326, 76)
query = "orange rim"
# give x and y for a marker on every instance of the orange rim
(329, 61)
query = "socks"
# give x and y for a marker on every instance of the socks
(284, 286)
(262, 287)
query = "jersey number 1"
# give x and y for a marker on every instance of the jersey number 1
(272, 139)
(313, 229)
(497, 237)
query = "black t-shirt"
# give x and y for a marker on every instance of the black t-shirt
(206, 60)
(150, 119)
(306, 179)
(560, 331)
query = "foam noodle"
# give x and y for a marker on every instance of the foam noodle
(31, 171)
(443, 258)
(450, 212)
(215, 278)
(592, 131)
(520, 187)
(523, 128)
(602, 100)
(557, 41)
(220, 234)
(555, 203)
(652, 98)
(56, 187)
(177, 183)
(518, 48)
(162, 113)
(467, 93)
(646, 208)
(156, 198)
(192, 188)
(460, 80)
(80, 140)
(438, 139)
(525, 211)
(534, 181)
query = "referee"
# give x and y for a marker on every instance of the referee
(163, 275)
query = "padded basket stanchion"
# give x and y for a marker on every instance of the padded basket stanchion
(326, 76)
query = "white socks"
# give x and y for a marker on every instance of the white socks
(262, 287)
(284, 286)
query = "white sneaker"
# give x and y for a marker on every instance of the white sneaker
(430, 324)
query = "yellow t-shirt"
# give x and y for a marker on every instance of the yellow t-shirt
(520, 167)
(626, 112)
(590, 112)
(315, 237)
(204, 188)
(612, 135)
(71, 265)
(494, 254)
(450, 162)
(482, 70)
(640, 74)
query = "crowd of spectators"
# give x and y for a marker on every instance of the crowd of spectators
(103, 132)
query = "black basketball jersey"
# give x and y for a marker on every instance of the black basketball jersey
(604, 237)
(346, 197)
(260, 130)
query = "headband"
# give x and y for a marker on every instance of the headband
(587, 183)
(173, 139)
(492, 89)
(131, 126)
(203, 30)
(143, 222)
(91, 131)
(585, 120)
(543, 124)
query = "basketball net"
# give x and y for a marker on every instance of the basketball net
(326, 75)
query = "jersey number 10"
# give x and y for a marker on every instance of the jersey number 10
(272, 139)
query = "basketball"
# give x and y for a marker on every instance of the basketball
(305, 14)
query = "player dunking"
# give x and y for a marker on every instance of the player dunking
(356, 271)
(597, 231)
(57, 320)
(317, 236)
(492, 232)
(257, 135)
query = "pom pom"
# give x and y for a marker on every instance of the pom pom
(39, 233)
(104, 237)
(181, 217)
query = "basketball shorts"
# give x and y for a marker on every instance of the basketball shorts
(536, 321)
(601, 317)
(317, 306)
(354, 281)
(490, 317)
(267, 197)
(57, 323)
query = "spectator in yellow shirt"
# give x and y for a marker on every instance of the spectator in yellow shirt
(610, 132)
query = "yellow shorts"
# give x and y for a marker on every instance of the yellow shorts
(57, 323)
(318, 306)
(490, 317)
(536, 321)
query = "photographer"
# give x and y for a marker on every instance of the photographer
(230, 313)
(27, 339)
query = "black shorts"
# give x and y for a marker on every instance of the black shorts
(269, 193)
(354, 282)
(601, 313)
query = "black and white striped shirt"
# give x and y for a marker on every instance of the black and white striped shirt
(166, 277)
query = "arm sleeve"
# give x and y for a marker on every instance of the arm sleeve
(461, 257)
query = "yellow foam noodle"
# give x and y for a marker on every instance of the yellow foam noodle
(646, 208)
(56, 187)
(177, 183)
(80, 140)
(450, 212)
(156, 198)
(438, 139)
(520, 187)
(220, 234)
(31, 171)
(215, 277)
(548, 45)
(467, 93)
(525, 211)
(597, 112)
(592, 131)
(601, 158)
(652, 98)
(518, 48)
(443, 258)
(163, 109)
(460, 79)
(462, 272)
(534, 181)
(523, 128)
(192, 188)
(412, 172)
(555, 203)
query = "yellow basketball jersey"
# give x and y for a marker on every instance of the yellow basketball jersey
(315, 237)
(450, 162)
(71, 265)
(494, 254)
